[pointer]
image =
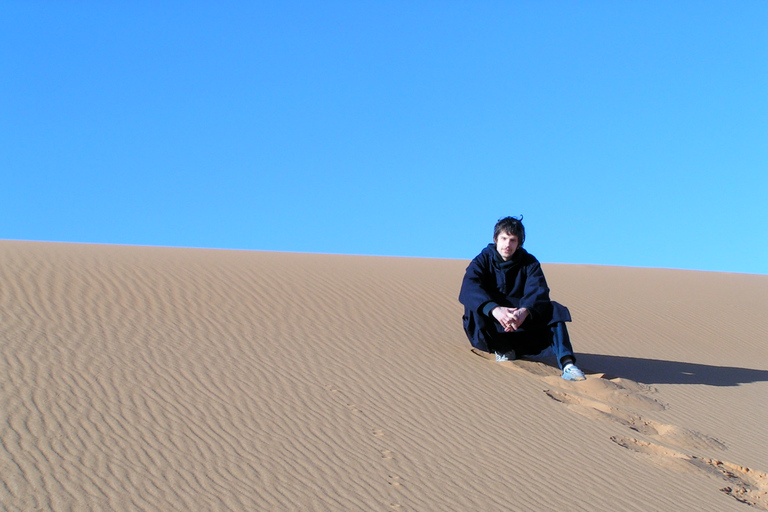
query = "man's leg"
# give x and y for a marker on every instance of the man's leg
(508, 346)
(561, 345)
(502, 346)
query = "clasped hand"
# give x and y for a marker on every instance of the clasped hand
(510, 318)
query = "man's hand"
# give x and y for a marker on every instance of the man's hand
(510, 318)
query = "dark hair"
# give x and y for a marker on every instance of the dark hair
(511, 226)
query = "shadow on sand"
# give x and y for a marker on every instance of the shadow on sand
(654, 371)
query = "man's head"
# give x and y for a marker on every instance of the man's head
(508, 235)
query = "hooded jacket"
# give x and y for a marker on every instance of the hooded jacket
(518, 283)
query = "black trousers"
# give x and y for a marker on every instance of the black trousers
(531, 342)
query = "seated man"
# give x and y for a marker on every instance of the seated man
(507, 309)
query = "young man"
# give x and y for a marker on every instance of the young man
(507, 309)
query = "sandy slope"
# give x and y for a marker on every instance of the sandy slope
(180, 379)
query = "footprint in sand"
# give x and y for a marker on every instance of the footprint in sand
(592, 397)
(339, 395)
(386, 454)
(743, 484)
(613, 390)
(670, 434)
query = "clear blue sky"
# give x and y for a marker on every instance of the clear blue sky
(627, 133)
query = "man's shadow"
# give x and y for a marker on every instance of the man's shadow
(654, 371)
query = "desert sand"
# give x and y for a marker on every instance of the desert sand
(167, 379)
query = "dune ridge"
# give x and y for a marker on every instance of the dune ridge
(138, 378)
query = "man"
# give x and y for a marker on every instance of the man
(507, 309)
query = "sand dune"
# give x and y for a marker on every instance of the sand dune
(137, 378)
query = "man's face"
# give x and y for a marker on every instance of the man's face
(506, 245)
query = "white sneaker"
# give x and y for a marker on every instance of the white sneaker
(505, 356)
(572, 372)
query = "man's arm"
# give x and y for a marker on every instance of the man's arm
(474, 293)
(536, 293)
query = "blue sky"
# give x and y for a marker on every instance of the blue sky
(626, 133)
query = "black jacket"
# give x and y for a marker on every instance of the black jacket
(518, 283)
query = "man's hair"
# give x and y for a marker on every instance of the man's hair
(510, 226)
